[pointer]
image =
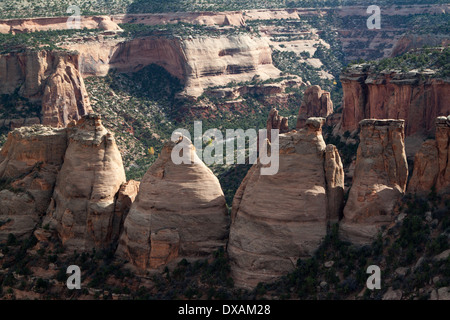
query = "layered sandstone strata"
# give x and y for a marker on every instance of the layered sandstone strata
(391, 95)
(316, 103)
(266, 240)
(47, 78)
(29, 164)
(180, 211)
(379, 180)
(82, 210)
(432, 162)
(199, 62)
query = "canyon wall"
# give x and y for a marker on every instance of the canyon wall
(180, 211)
(379, 180)
(277, 219)
(393, 96)
(49, 79)
(199, 62)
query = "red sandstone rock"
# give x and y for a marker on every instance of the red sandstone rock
(393, 96)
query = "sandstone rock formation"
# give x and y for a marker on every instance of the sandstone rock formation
(82, 210)
(393, 96)
(275, 121)
(379, 180)
(432, 162)
(180, 211)
(266, 240)
(47, 78)
(316, 103)
(29, 164)
(199, 62)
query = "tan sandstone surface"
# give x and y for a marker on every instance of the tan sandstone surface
(266, 240)
(180, 211)
(379, 180)
(82, 210)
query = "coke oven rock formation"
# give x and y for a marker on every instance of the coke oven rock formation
(432, 162)
(392, 95)
(277, 219)
(29, 164)
(82, 210)
(316, 103)
(180, 211)
(379, 180)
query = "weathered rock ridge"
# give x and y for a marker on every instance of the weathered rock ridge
(180, 211)
(432, 162)
(47, 78)
(82, 209)
(266, 240)
(316, 103)
(379, 180)
(393, 96)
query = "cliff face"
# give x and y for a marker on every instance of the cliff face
(199, 62)
(277, 219)
(180, 211)
(29, 164)
(432, 162)
(393, 96)
(48, 78)
(316, 103)
(82, 210)
(379, 180)
(219, 61)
